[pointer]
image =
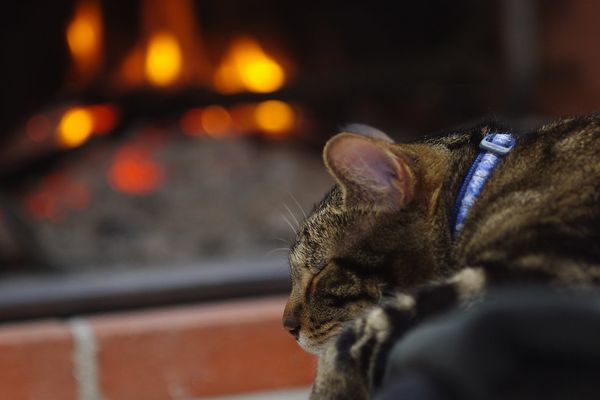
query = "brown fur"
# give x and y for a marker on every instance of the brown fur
(537, 219)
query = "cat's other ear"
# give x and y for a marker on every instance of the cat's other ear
(368, 131)
(369, 172)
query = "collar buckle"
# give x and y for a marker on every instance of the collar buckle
(499, 144)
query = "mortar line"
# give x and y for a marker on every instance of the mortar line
(84, 360)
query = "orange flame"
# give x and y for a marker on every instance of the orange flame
(75, 127)
(275, 117)
(216, 121)
(84, 37)
(170, 50)
(78, 123)
(163, 59)
(242, 116)
(191, 122)
(246, 66)
(272, 117)
(104, 117)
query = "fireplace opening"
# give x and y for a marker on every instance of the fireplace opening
(181, 139)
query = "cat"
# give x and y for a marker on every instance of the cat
(390, 244)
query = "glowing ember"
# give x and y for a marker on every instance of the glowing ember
(56, 194)
(42, 205)
(84, 37)
(75, 127)
(247, 67)
(243, 117)
(216, 121)
(191, 122)
(77, 196)
(105, 118)
(132, 69)
(163, 59)
(274, 116)
(227, 79)
(133, 171)
(38, 128)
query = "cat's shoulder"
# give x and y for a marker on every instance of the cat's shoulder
(471, 134)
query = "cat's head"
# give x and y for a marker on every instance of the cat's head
(354, 244)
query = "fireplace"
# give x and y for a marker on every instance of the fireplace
(159, 135)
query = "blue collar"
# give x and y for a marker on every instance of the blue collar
(493, 147)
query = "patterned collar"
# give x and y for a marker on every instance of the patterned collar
(493, 147)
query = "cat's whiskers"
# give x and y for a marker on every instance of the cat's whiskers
(298, 205)
(271, 252)
(286, 241)
(292, 215)
(289, 223)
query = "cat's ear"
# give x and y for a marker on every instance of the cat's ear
(369, 172)
(368, 131)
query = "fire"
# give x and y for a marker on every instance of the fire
(191, 122)
(104, 117)
(75, 127)
(246, 66)
(58, 194)
(242, 116)
(134, 171)
(163, 59)
(131, 71)
(274, 116)
(215, 121)
(170, 50)
(84, 37)
(77, 124)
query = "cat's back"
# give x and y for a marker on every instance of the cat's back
(567, 142)
(557, 159)
(542, 203)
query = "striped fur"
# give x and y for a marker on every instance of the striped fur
(376, 256)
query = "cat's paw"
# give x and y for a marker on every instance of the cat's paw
(353, 366)
(337, 379)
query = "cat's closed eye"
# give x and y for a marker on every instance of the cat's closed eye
(317, 268)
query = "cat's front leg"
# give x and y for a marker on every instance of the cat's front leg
(461, 289)
(352, 366)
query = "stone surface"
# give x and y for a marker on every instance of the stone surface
(219, 199)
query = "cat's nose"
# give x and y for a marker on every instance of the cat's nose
(292, 326)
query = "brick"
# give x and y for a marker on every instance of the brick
(36, 363)
(195, 351)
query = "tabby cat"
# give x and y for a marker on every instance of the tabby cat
(383, 250)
